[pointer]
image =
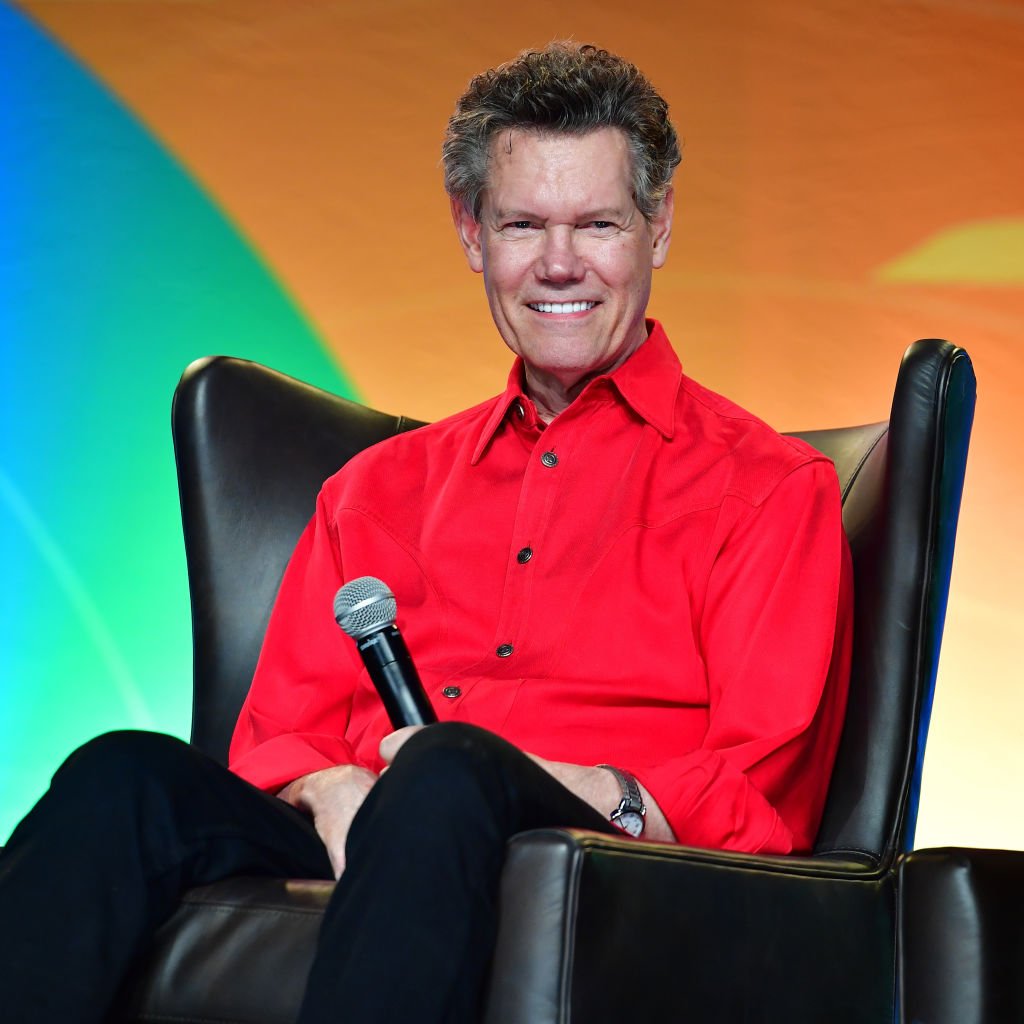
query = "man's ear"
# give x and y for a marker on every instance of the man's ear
(661, 229)
(468, 228)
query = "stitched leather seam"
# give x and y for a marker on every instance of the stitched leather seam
(569, 935)
(164, 1018)
(254, 908)
(855, 472)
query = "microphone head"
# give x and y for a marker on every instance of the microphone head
(363, 606)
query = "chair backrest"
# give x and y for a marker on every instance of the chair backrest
(901, 483)
(253, 447)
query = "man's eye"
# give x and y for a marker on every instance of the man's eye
(601, 225)
(519, 225)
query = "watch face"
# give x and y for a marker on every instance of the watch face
(630, 822)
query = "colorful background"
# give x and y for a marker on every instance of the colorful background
(261, 179)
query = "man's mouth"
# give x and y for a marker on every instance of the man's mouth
(561, 307)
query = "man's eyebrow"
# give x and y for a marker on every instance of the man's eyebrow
(516, 215)
(603, 213)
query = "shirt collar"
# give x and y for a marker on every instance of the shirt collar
(648, 382)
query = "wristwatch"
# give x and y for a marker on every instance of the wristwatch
(629, 815)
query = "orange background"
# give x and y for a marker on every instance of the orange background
(851, 181)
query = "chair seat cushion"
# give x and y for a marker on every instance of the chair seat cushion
(235, 951)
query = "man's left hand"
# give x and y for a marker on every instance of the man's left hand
(394, 741)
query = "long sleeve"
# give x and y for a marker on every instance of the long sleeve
(296, 715)
(775, 636)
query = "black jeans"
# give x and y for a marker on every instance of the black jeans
(132, 819)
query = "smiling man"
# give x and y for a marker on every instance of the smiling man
(629, 601)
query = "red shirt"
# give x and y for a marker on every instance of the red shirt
(655, 580)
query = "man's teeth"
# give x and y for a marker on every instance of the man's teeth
(561, 307)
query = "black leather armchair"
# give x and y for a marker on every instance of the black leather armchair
(593, 928)
(961, 936)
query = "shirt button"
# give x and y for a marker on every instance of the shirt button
(504, 650)
(550, 459)
(524, 555)
(520, 411)
(451, 692)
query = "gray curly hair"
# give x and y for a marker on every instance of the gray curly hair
(569, 88)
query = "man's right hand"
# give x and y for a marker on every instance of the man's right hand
(331, 797)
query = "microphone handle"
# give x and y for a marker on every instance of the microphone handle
(389, 663)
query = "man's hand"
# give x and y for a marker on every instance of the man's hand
(599, 788)
(331, 797)
(394, 741)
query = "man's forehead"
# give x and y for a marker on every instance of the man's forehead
(530, 170)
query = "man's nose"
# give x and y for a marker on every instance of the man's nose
(560, 262)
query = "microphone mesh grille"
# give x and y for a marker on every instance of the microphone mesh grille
(364, 605)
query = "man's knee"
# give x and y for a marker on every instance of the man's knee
(124, 759)
(450, 769)
(454, 746)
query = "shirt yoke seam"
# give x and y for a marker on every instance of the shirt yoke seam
(697, 392)
(412, 550)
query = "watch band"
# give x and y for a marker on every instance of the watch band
(632, 801)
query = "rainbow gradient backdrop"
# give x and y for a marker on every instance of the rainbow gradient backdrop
(116, 270)
(261, 179)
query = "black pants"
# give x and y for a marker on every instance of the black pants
(132, 819)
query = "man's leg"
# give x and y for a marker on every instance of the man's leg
(409, 933)
(131, 819)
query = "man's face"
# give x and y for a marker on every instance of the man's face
(565, 253)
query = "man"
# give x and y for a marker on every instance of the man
(628, 599)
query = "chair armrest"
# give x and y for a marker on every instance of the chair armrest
(961, 945)
(596, 928)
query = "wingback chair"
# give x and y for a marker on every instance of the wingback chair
(593, 928)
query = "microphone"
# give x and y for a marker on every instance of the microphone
(365, 609)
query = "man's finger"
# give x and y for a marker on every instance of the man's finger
(392, 743)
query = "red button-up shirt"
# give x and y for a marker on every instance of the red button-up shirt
(655, 580)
